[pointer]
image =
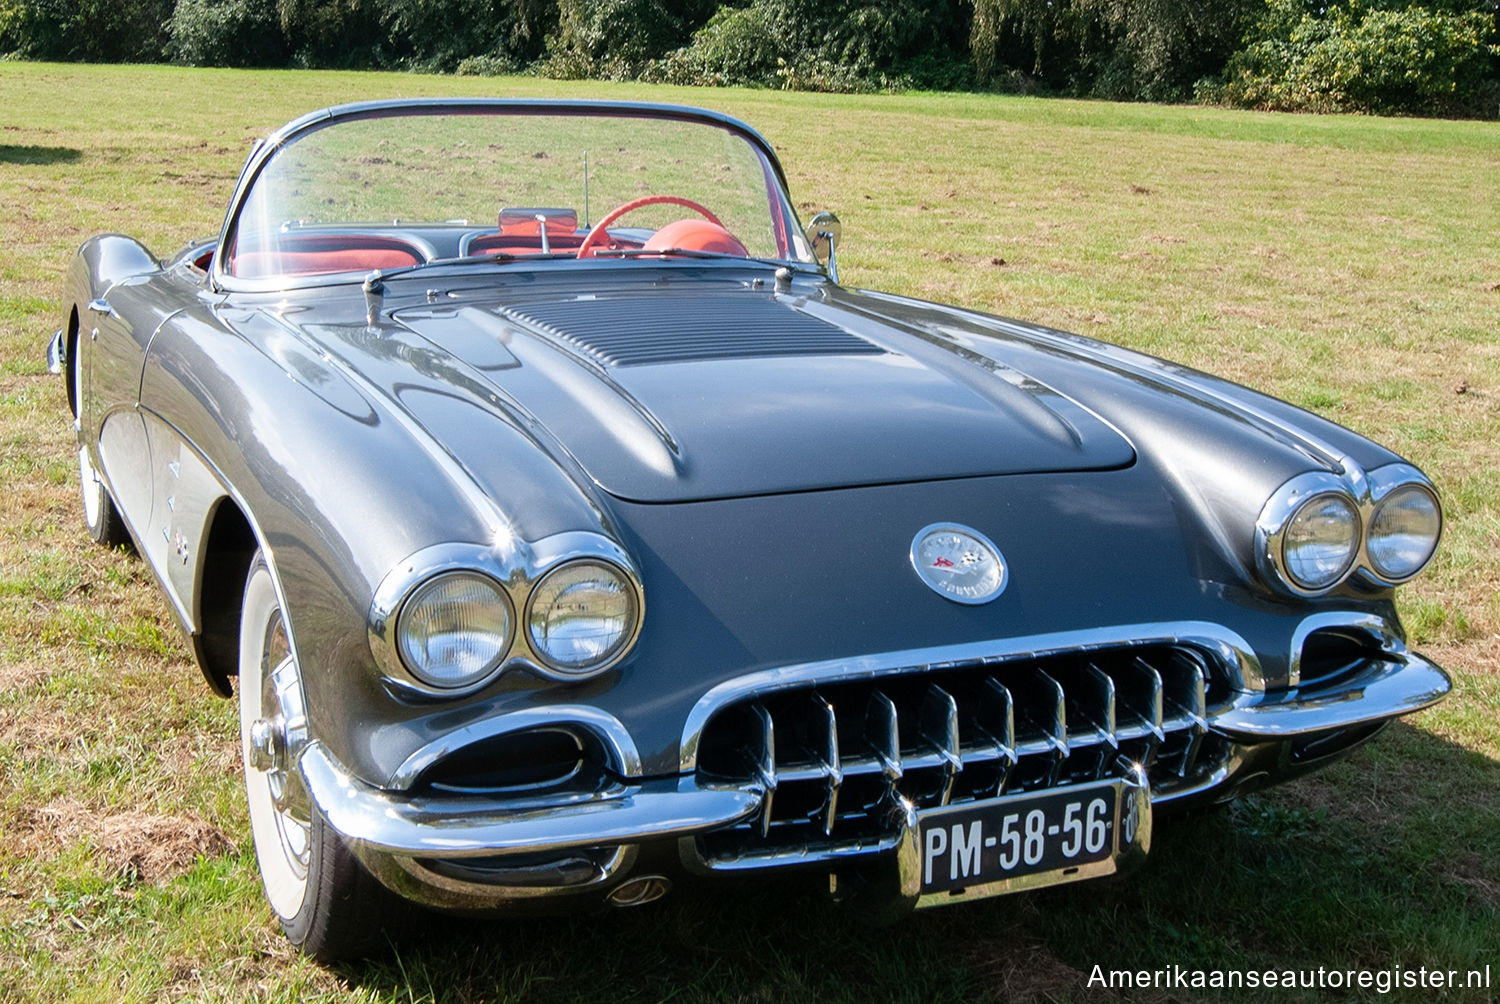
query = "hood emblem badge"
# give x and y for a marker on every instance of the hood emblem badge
(959, 563)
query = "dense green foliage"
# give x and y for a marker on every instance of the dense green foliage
(1368, 58)
(1432, 57)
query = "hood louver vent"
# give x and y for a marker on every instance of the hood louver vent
(631, 332)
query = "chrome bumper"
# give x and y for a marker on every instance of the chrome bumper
(371, 819)
(1397, 685)
(394, 834)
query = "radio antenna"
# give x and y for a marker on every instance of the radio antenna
(587, 220)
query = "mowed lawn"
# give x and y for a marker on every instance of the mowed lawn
(1349, 265)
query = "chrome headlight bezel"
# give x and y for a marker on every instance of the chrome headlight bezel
(1385, 484)
(1363, 494)
(1278, 517)
(516, 569)
(612, 653)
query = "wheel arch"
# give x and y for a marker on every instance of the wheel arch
(73, 361)
(229, 547)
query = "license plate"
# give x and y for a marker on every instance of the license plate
(1019, 835)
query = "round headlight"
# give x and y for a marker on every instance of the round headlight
(1404, 532)
(583, 615)
(454, 629)
(1320, 541)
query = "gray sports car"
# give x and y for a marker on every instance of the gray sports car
(571, 532)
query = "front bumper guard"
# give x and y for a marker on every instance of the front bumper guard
(391, 823)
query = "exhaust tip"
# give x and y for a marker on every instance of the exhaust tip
(639, 891)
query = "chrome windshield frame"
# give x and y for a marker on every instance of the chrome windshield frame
(784, 216)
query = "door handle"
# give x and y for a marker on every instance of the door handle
(101, 306)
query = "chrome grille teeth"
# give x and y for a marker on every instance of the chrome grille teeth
(1043, 721)
(1186, 703)
(978, 731)
(939, 729)
(823, 728)
(996, 723)
(764, 764)
(1139, 707)
(883, 734)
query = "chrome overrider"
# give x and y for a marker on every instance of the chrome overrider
(403, 837)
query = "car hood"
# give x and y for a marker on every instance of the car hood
(673, 396)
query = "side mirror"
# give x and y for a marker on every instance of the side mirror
(824, 233)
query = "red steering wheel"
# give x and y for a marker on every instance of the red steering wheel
(599, 233)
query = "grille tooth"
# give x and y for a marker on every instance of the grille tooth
(1043, 720)
(835, 756)
(763, 764)
(1185, 702)
(883, 733)
(1103, 697)
(939, 729)
(1091, 710)
(996, 722)
(1140, 701)
(823, 729)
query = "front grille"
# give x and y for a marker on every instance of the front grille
(833, 757)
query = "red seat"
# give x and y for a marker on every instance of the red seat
(321, 254)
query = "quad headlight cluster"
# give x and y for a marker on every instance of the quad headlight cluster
(449, 621)
(1318, 529)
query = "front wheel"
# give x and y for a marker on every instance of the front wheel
(328, 905)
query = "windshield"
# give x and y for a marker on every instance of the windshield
(403, 189)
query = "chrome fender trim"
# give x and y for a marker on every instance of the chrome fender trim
(57, 353)
(375, 820)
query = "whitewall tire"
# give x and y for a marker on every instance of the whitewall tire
(326, 902)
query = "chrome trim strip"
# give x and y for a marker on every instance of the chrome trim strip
(378, 821)
(1232, 652)
(1400, 685)
(603, 726)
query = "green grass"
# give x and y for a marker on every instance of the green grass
(1350, 265)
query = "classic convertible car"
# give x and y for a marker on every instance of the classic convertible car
(567, 531)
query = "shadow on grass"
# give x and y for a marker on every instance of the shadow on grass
(38, 154)
(1391, 857)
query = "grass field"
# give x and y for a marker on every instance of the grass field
(1349, 265)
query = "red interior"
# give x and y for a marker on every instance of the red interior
(320, 254)
(510, 243)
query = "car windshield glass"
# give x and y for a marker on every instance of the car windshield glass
(399, 190)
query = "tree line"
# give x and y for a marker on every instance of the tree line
(1436, 57)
